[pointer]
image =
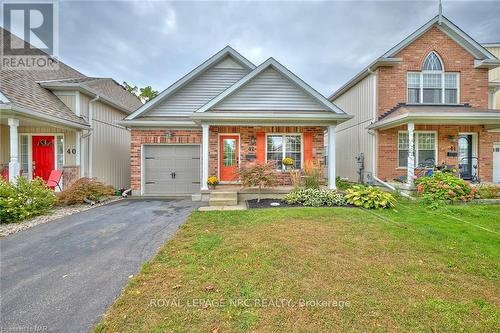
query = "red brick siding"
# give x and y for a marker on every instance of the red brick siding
(388, 148)
(392, 89)
(140, 137)
(247, 148)
(391, 81)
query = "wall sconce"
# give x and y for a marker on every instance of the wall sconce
(168, 135)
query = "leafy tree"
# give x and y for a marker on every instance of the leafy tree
(259, 175)
(144, 94)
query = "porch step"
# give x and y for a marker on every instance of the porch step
(222, 202)
(223, 198)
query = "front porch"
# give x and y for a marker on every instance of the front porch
(226, 148)
(33, 148)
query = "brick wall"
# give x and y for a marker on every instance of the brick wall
(247, 147)
(388, 148)
(391, 81)
(140, 136)
(249, 134)
(392, 89)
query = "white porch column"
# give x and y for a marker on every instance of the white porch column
(14, 149)
(331, 157)
(205, 156)
(411, 154)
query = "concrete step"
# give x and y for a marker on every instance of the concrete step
(222, 202)
(224, 195)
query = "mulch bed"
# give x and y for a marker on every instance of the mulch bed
(266, 203)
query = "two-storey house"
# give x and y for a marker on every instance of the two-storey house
(424, 102)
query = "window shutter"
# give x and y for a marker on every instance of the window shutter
(308, 146)
(260, 153)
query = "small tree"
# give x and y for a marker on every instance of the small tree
(259, 175)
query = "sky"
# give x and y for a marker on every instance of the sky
(324, 42)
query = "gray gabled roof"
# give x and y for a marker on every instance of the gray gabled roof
(190, 76)
(24, 92)
(108, 90)
(479, 52)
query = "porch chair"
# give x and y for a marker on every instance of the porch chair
(54, 179)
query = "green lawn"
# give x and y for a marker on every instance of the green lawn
(406, 270)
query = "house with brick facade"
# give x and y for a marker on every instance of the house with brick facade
(423, 103)
(225, 113)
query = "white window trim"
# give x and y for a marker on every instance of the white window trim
(443, 89)
(30, 149)
(415, 150)
(284, 146)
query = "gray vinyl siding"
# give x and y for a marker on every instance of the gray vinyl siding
(111, 147)
(270, 91)
(352, 136)
(201, 90)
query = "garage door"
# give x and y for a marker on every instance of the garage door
(171, 170)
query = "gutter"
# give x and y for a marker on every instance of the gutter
(50, 118)
(91, 131)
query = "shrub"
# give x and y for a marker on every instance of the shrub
(488, 191)
(314, 198)
(259, 175)
(24, 199)
(443, 187)
(342, 184)
(369, 197)
(312, 174)
(85, 189)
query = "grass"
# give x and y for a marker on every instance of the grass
(412, 270)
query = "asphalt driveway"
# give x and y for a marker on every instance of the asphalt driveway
(61, 276)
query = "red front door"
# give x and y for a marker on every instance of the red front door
(43, 156)
(229, 157)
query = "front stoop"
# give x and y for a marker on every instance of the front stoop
(225, 198)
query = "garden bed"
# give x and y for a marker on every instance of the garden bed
(266, 203)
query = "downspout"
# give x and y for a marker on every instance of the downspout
(91, 143)
(374, 145)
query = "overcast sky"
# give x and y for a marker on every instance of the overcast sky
(325, 43)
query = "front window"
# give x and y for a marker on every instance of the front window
(432, 85)
(59, 152)
(24, 155)
(280, 146)
(424, 146)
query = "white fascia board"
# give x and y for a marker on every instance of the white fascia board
(282, 70)
(83, 89)
(49, 118)
(190, 76)
(486, 63)
(157, 123)
(275, 117)
(441, 118)
(3, 99)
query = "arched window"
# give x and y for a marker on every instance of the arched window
(433, 63)
(432, 85)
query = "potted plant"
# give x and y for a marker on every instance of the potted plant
(288, 163)
(212, 182)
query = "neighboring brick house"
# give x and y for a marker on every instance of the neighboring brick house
(224, 113)
(423, 103)
(60, 119)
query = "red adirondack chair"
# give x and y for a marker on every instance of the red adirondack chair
(54, 179)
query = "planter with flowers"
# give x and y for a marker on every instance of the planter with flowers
(212, 182)
(288, 163)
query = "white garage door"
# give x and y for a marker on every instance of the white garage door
(171, 169)
(496, 163)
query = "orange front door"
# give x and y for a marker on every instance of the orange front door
(43, 156)
(229, 151)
